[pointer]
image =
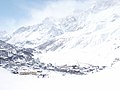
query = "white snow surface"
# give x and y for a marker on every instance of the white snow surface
(104, 80)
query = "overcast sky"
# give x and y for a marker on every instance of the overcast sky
(17, 13)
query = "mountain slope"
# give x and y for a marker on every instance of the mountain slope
(4, 36)
(21, 61)
(90, 35)
(94, 25)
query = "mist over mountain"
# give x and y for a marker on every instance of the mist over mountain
(4, 36)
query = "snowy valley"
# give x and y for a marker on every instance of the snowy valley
(77, 51)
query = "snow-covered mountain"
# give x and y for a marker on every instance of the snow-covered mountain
(4, 36)
(92, 25)
(86, 41)
(80, 51)
(86, 35)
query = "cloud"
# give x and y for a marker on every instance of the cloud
(8, 25)
(56, 9)
(36, 12)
